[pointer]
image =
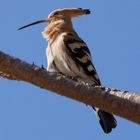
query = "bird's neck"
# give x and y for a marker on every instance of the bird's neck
(54, 29)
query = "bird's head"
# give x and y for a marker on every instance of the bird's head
(67, 13)
(61, 14)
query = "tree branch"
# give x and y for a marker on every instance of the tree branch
(124, 104)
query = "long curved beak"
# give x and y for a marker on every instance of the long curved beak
(34, 23)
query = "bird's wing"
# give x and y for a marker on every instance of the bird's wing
(81, 56)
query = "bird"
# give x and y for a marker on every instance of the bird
(68, 54)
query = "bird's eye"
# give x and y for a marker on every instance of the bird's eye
(56, 13)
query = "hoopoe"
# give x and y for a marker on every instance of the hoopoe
(68, 54)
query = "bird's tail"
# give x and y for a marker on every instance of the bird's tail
(106, 120)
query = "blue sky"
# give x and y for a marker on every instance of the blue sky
(112, 33)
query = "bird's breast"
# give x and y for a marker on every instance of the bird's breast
(57, 56)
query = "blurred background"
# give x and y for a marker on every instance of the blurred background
(112, 32)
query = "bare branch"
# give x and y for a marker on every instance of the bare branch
(124, 104)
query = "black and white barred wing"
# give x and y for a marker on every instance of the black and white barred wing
(80, 54)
